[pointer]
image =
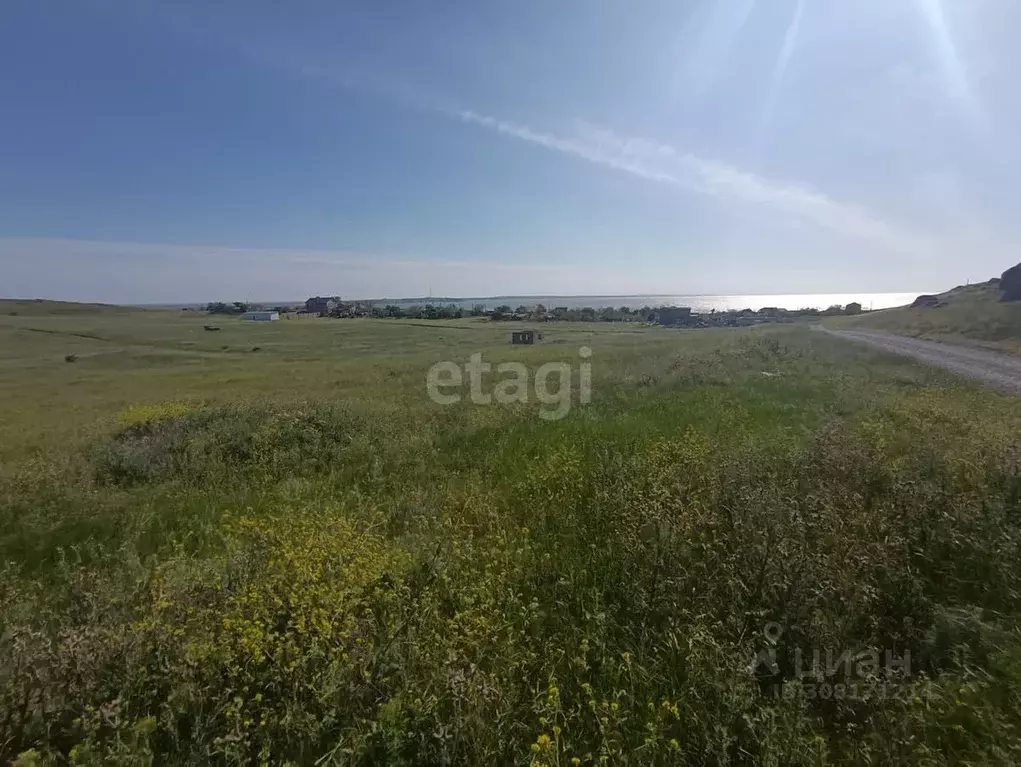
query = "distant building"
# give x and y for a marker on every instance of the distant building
(321, 304)
(853, 308)
(261, 316)
(675, 315)
(525, 336)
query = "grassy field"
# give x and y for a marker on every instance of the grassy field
(971, 315)
(267, 544)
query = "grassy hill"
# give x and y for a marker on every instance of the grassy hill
(41, 307)
(971, 315)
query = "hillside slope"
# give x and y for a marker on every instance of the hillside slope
(972, 315)
(40, 307)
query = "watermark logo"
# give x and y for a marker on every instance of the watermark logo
(550, 385)
(829, 673)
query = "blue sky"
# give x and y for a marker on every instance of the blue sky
(218, 149)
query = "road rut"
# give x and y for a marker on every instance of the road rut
(998, 370)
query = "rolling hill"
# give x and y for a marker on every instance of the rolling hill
(971, 315)
(40, 307)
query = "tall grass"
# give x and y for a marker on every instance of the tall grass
(644, 582)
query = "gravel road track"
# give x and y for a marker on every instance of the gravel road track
(998, 370)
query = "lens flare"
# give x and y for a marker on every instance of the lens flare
(954, 73)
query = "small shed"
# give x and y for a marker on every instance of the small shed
(261, 316)
(525, 336)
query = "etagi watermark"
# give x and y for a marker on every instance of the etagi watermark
(445, 383)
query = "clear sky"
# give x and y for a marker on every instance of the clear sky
(191, 150)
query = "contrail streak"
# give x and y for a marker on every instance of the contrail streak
(780, 70)
(663, 164)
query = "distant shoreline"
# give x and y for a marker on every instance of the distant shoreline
(701, 302)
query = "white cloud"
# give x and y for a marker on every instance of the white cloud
(664, 164)
(796, 203)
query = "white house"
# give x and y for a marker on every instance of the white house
(262, 316)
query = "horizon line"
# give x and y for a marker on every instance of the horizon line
(436, 299)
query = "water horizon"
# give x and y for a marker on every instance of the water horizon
(698, 303)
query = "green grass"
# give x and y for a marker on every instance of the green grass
(971, 316)
(214, 554)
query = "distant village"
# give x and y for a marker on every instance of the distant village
(671, 316)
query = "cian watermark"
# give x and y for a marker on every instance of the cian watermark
(551, 384)
(832, 673)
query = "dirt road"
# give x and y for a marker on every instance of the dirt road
(997, 370)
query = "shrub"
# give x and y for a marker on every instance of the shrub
(152, 413)
(173, 441)
(283, 631)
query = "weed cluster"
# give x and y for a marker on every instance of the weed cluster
(175, 441)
